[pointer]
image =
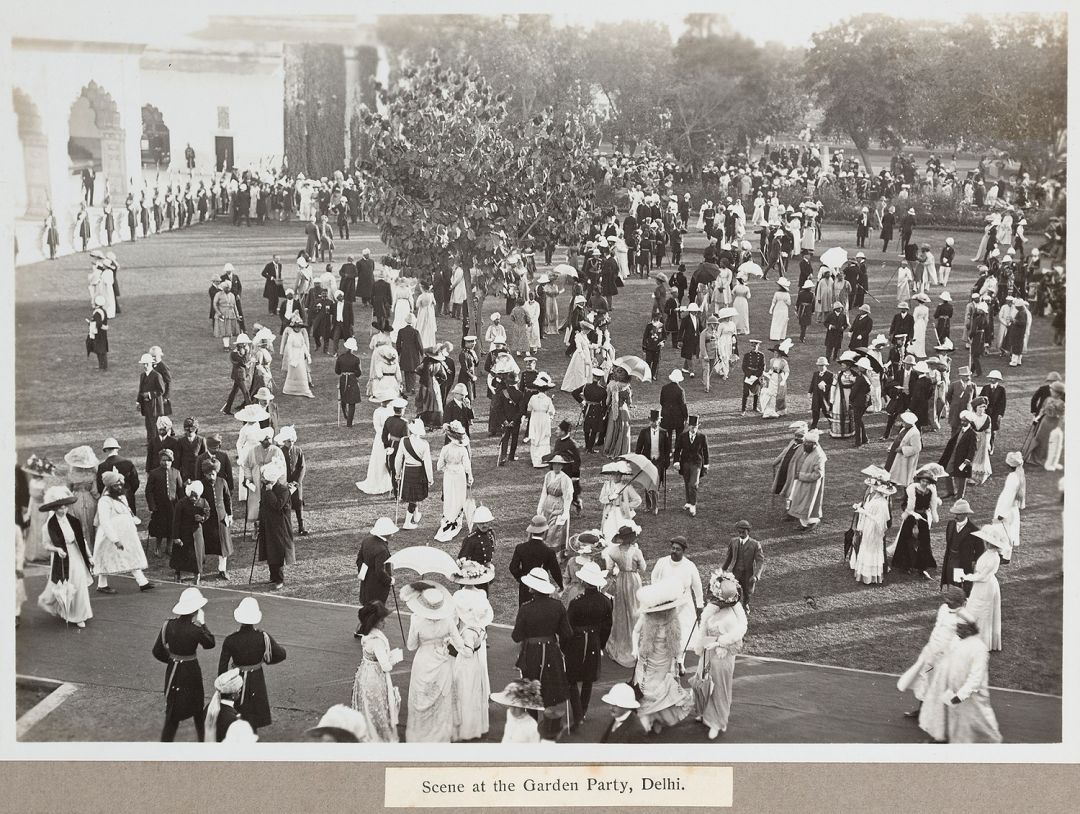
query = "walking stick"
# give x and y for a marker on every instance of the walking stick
(254, 554)
(397, 608)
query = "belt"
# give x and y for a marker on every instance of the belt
(589, 629)
(540, 640)
(176, 662)
(244, 671)
(178, 659)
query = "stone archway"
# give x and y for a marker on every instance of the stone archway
(155, 144)
(35, 149)
(96, 137)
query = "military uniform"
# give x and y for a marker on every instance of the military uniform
(248, 649)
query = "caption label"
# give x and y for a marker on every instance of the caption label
(526, 786)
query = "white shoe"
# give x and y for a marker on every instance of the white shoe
(693, 511)
(713, 732)
(416, 518)
(408, 524)
(686, 505)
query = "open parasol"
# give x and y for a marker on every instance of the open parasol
(752, 269)
(424, 559)
(874, 363)
(706, 273)
(635, 366)
(834, 258)
(642, 470)
(566, 270)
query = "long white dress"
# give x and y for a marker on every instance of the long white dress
(718, 639)
(984, 603)
(904, 280)
(781, 305)
(725, 346)
(532, 308)
(686, 574)
(455, 462)
(723, 286)
(741, 303)
(472, 686)
(69, 599)
(917, 677)
(869, 563)
(618, 502)
(117, 548)
(296, 363)
(541, 412)
(579, 371)
(377, 481)
(921, 317)
(1012, 499)
(431, 680)
(425, 319)
(402, 307)
(384, 375)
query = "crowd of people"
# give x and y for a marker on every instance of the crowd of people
(582, 593)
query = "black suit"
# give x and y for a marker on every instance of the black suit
(962, 549)
(590, 618)
(374, 552)
(860, 331)
(533, 553)
(819, 399)
(690, 338)
(995, 395)
(298, 307)
(903, 323)
(127, 469)
(859, 400)
(594, 413)
(692, 456)
(629, 731)
(673, 411)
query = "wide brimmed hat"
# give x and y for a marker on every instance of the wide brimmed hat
(784, 283)
(616, 468)
(384, 527)
(473, 573)
(538, 525)
(263, 394)
(875, 472)
(543, 382)
(341, 722)
(56, 496)
(455, 428)
(627, 533)
(428, 600)
(961, 507)
(81, 458)
(539, 580)
(677, 375)
(660, 596)
(252, 413)
(558, 459)
(584, 542)
(724, 588)
(622, 696)
(994, 534)
(190, 601)
(248, 611)
(523, 693)
(590, 574)
(272, 472)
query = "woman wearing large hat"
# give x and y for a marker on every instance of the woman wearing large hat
(374, 693)
(67, 591)
(722, 627)
(984, 602)
(296, 359)
(1013, 498)
(521, 697)
(780, 308)
(626, 563)
(871, 520)
(177, 647)
(81, 475)
(659, 641)
(556, 496)
(541, 412)
(920, 510)
(431, 629)
(471, 683)
(618, 498)
(455, 462)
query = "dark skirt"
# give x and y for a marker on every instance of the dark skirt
(913, 547)
(184, 696)
(414, 486)
(161, 522)
(188, 557)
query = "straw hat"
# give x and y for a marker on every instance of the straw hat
(81, 458)
(190, 601)
(523, 693)
(539, 580)
(248, 611)
(428, 600)
(56, 496)
(660, 596)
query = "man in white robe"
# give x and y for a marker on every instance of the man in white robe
(808, 488)
(679, 568)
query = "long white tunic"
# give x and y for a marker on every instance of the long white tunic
(377, 481)
(1009, 503)
(869, 563)
(541, 412)
(455, 463)
(686, 574)
(117, 548)
(579, 371)
(472, 686)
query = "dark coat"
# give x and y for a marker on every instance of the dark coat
(294, 472)
(226, 717)
(125, 468)
(533, 553)
(159, 483)
(248, 649)
(183, 680)
(629, 731)
(189, 513)
(272, 288)
(275, 526)
(819, 398)
(543, 617)
(861, 327)
(348, 369)
(958, 463)
(187, 459)
(382, 299)
(365, 278)
(478, 546)
(663, 454)
(347, 284)
(692, 452)
(921, 390)
(151, 394)
(225, 472)
(217, 538)
(673, 412)
(409, 348)
(569, 450)
(903, 323)
(962, 549)
(589, 615)
(298, 307)
(156, 445)
(859, 397)
(341, 328)
(60, 567)
(690, 336)
(744, 559)
(374, 552)
(996, 399)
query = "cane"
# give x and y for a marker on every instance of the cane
(397, 608)
(254, 554)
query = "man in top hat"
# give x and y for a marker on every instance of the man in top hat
(861, 327)
(858, 282)
(348, 369)
(534, 554)
(340, 314)
(807, 491)
(746, 560)
(543, 631)
(395, 428)
(247, 650)
(836, 323)
(753, 366)
(962, 547)
(680, 569)
(594, 411)
(590, 618)
(410, 350)
(177, 646)
(625, 725)
(691, 456)
(673, 410)
(995, 396)
(820, 392)
(565, 446)
(899, 388)
(690, 329)
(273, 287)
(655, 444)
(126, 469)
(652, 341)
(372, 569)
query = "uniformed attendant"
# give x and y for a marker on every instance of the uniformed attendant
(479, 545)
(395, 428)
(248, 649)
(593, 410)
(590, 618)
(543, 630)
(97, 337)
(753, 366)
(372, 571)
(348, 369)
(177, 646)
(534, 554)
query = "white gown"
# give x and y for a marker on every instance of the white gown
(296, 363)
(687, 575)
(921, 317)
(779, 309)
(1009, 503)
(377, 481)
(579, 371)
(472, 685)
(455, 463)
(541, 412)
(425, 319)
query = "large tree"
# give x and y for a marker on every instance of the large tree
(454, 175)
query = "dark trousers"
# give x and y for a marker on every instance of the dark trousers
(747, 389)
(508, 445)
(299, 512)
(691, 474)
(580, 695)
(343, 228)
(238, 387)
(818, 408)
(410, 380)
(88, 193)
(652, 359)
(103, 361)
(277, 574)
(594, 432)
(676, 255)
(349, 411)
(884, 245)
(860, 241)
(168, 732)
(832, 346)
(857, 414)
(272, 303)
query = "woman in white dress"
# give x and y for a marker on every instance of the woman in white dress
(67, 591)
(625, 562)
(455, 462)
(741, 302)
(520, 696)
(720, 633)
(904, 280)
(774, 385)
(659, 639)
(384, 382)
(377, 481)
(795, 227)
(532, 308)
(295, 353)
(980, 461)
(780, 308)
(556, 495)
(722, 288)
(579, 371)
(758, 218)
(374, 693)
(541, 410)
(403, 305)
(877, 401)
(458, 294)
(425, 317)
(725, 345)
(920, 314)
(431, 680)
(472, 686)
(984, 601)
(871, 522)
(918, 677)
(551, 307)
(1012, 499)
(621, 251)
(618, 499)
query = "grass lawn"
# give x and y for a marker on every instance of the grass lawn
(807, 606)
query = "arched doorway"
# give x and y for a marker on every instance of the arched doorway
(35, 156)
(154, 144)
(96, 138)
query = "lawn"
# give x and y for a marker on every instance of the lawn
(807, 607)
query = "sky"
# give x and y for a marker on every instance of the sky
(161, 22)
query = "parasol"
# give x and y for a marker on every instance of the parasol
(874, 363)
(706, 273)
(642, 470)
(424, 559)
(636, 367)
(751, 268)
(834, 258)
(566, 270)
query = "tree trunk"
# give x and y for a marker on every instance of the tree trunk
(862, 144)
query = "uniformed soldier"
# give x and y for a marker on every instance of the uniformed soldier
(248, 649)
